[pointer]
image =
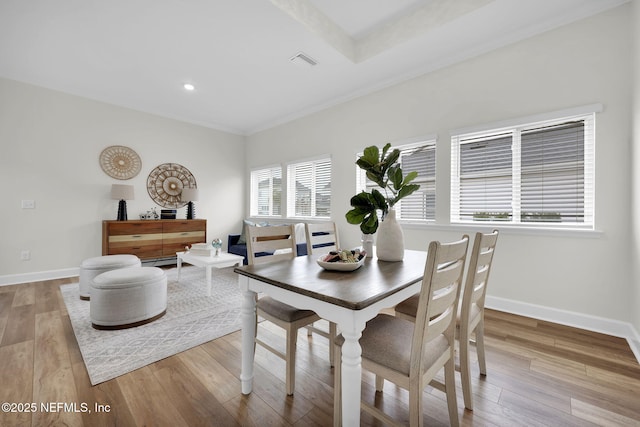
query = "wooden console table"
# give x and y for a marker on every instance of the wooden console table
(151, 239)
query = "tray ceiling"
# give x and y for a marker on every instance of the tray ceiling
(138, 54)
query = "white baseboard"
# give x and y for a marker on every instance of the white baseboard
(588, 322)
(13, 279)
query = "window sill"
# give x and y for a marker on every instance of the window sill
(506, 229)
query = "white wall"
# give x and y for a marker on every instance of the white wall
(583, 63)
(50, 143)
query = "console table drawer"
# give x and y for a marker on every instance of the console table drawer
(123, 228)
(175, 242)
(142, 252)
(150, 238)
(175, 226)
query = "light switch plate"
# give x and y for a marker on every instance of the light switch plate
(28, 204)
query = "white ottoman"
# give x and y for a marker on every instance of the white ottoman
(91, 267)
(128, 297)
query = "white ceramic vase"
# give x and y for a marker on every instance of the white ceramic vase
(390, 240)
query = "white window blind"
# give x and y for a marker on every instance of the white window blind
(309, 189)
(419, 157)
(266, 192)
(535, 174)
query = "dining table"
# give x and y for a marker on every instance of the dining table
(347, 298)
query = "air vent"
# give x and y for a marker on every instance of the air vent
(303, 59)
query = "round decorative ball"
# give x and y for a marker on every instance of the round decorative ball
(216, 243)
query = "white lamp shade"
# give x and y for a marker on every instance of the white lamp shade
(122, 192)
(189, 195)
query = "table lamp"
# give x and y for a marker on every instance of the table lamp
(123, 193)
(190, 195)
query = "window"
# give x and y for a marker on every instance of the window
(540, 173)
(309, 189)
(419, 157)
(266, 192)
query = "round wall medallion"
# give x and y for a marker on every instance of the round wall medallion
(165, 183)
(120, 162)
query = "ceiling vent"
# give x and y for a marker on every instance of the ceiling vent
(303, 59)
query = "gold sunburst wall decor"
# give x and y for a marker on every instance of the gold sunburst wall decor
(120, 162)
(165, 184)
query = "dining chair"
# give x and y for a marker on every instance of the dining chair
(277, 243)
(322, 238)
(471, 312)
(411, 354)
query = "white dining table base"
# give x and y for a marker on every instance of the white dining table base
(351, 362)
(248, 313)
(350, 323)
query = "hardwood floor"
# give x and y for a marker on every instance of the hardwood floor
(539, 374)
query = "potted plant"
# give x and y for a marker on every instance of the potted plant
(382, 168)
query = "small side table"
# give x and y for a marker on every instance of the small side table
(222, 260)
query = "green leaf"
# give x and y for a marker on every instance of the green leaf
(377, 178)
(385, 149)
(405, 191)
(378, 200)
(395, 176)
(364, 164)
(410, 177)
(392, 158)
(365, 210)
(356, 215)
(371, 155)
(363, 200)
(370, 225)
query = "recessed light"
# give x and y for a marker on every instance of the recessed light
(188, 86)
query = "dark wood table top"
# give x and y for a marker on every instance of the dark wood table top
(351, 289)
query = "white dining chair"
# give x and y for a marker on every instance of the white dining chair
(277, 243)
(322, 238)
(411, 354)
(470, 317)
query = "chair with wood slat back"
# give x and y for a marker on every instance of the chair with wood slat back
(411, 354)
(280, 243)
(471, 312)
(322, 238)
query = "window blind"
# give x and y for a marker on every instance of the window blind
(266, 192)
(485, 177)
(553, 173)
(309, 189)
(540, 173)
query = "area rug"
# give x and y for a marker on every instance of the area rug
(192, 318)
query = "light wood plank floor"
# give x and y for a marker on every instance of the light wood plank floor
(539, 374)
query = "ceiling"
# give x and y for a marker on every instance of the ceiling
(139, 53)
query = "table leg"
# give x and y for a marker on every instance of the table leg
(248, 336)
(351, 369)
(179, 263)
(208, 268)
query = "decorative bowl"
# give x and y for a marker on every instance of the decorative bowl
(340, 265)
